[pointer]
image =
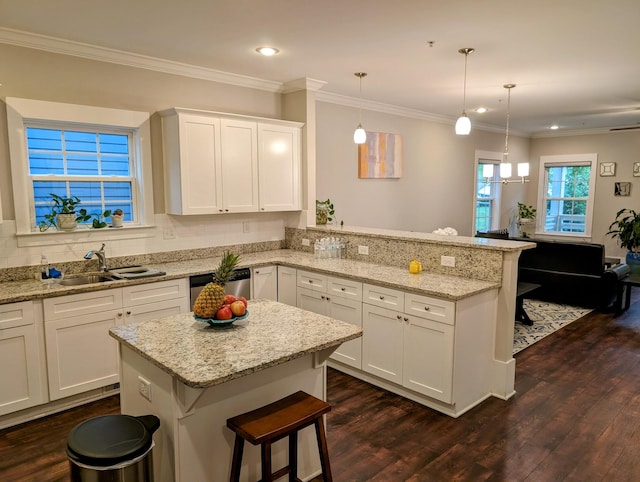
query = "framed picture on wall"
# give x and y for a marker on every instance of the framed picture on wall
(636, 169)
(607, 168)
(622, 189)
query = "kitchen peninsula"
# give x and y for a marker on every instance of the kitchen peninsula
(194, 377)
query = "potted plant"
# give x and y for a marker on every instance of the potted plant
(63, 213)
(324, 211)
(626, 228)
(116, 218)
(526, 214)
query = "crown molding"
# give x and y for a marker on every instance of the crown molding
(579, 132)
(92, 52)
(305, 83)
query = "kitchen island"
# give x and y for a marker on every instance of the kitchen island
(194, 377)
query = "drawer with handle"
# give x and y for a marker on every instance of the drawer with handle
(384, 297)
(430, 308)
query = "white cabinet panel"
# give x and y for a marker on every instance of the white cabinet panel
(279, 167)
(313, 281)
(287, 280)
(349, 311)
(156, 310)
(383, 297)
(81, 355)
(344, 288)
(313, 301)
(264, 281)
(193, 177)
(81, 304)
(239, 160)
(153, 292)
(430, 308)
(428, 358)
(382, 341)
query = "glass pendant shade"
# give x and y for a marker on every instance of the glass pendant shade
(523, 169)
(359, 136)
(505, 170)
(463, 125)
(487, 170)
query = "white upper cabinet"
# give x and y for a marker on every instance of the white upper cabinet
(193, 171)
(223, 163)
(239, 162)
(279, 167)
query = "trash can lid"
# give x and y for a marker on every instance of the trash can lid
(111, 439)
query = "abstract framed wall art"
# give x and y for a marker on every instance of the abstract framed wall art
(380, 157)
(622, 189)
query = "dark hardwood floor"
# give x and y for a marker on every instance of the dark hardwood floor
(575, 417)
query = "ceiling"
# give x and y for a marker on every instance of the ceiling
(575, 62)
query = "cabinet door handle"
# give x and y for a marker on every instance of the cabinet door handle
(128, 313)
(343, 289)
(399, 317)
(322, 297)
(310, 281)
(257, 272)
(406, 319)
(426, 308)
(382, 297)
(120, 314)
(328, 299)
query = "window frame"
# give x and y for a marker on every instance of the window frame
(23, 113)
(488, 157)
(590, 159)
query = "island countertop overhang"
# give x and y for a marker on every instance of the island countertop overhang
(201, 357)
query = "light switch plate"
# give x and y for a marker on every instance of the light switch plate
(363, 249)
(448, 261)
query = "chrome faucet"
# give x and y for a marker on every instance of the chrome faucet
(101, 256)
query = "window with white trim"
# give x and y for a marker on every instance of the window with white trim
(100, 155)
(94, 165)
(566, 194)
(486, 212)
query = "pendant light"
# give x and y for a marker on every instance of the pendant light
(505, 165)
(360, 136)
(463, 124)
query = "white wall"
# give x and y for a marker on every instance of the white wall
(34, 74)
(437, 185)
(621, 147)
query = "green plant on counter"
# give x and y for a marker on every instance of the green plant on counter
(324, 211)
(526, 212)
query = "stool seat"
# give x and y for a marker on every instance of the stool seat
(270, 423)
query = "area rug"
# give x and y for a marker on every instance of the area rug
(547, 318)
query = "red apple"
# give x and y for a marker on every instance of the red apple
(224, 313)
(228, 299)
(238, 308)
(243, 299)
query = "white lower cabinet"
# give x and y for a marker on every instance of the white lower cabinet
(81, 355)
(287, 285)
(406, 346)
(264, 282)
(338, 298)
(22, 377)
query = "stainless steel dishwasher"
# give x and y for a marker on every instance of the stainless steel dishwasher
(238, 285)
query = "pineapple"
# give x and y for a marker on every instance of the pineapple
(211, 297)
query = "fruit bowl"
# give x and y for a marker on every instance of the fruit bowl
(216, 323)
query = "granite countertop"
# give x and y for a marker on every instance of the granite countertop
(431, 284)
(200, 356)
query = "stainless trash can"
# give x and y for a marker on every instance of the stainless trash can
(112, 448)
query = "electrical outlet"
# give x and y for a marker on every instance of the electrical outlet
(168, 232)
(306, 242)
(363, 249)
(245, 226)
(144, 387)
(448, 261)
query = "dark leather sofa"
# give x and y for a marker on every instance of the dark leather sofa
(569, 273)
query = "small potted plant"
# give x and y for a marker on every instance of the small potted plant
(324, 211)
(626, 228)
(116, 218)
(526, 214)
(63, 214)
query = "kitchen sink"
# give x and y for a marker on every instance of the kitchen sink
(86, 279)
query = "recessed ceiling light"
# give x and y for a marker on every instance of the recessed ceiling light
(267, 51)
(481, 110)
(554, 127)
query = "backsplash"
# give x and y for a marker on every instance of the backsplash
(389, 250)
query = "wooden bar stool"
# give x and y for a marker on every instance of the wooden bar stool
(275, 421)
